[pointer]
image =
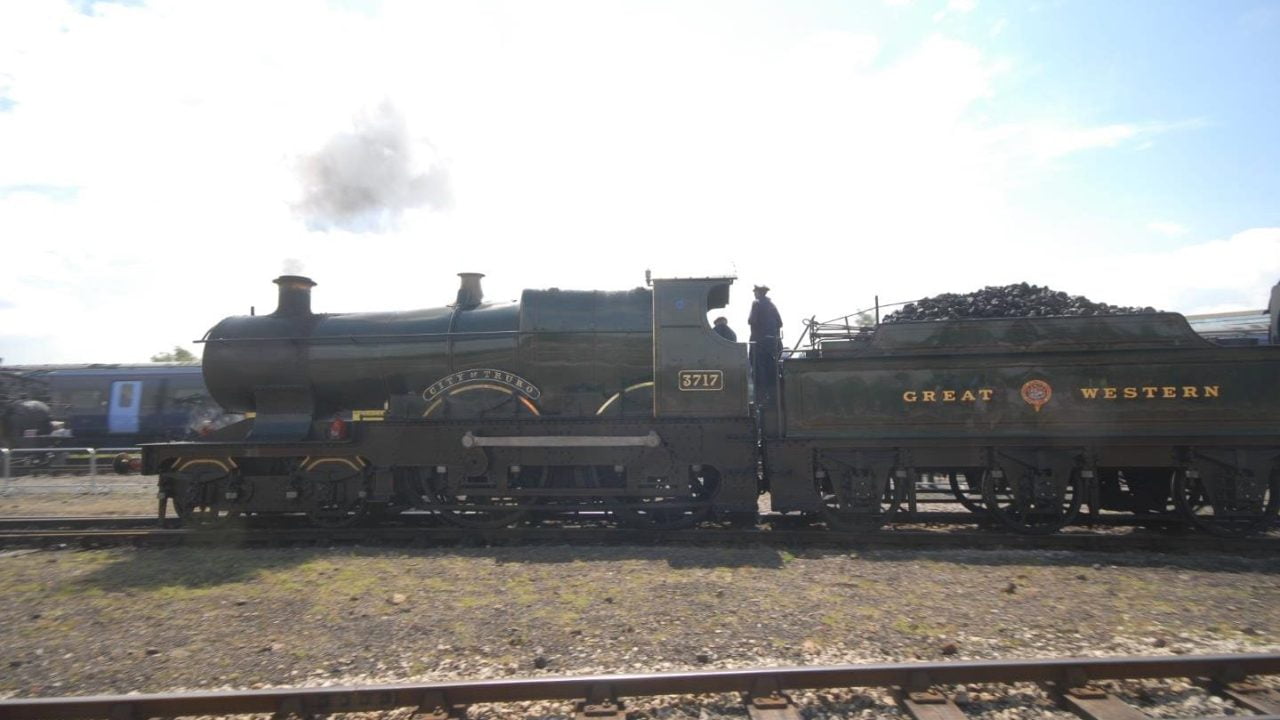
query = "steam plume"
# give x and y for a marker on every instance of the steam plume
(365, 179)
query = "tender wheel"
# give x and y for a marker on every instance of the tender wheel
(1033, 501)
(676, 511)
(857, 500)
(333, 491)
(206, 492)
(966, 486)
(1227, 501)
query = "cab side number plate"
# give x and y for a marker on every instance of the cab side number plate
(692, 380)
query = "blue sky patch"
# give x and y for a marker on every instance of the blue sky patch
(61, 193)
(85, 7)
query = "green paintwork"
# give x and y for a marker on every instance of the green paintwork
(683, 341)
(1171, 374)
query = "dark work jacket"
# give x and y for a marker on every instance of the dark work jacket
(765, 321)
(725, 332)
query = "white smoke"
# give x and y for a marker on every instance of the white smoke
(292, 266)
(364, 179)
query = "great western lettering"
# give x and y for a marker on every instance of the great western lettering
(1151, 392)
(948, 396)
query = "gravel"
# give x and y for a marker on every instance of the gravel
(78, 495)
(120, 620)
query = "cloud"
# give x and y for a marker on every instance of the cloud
(1051, 140)
(1168, 229)
(833, 166)
(1050, 143)
(1222, 274)
(366, 177)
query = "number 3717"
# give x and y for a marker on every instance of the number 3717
(701, 379)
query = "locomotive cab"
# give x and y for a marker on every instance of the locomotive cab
(697, 373)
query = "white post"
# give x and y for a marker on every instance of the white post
(93, 471)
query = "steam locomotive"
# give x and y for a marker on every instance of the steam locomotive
(627, 405)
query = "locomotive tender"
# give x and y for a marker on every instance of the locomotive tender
(627, 403)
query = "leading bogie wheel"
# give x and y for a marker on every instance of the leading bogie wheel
(334, 490)
(206, 492)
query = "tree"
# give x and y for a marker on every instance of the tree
(179, 354)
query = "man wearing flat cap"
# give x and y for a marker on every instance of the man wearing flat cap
(766, 341)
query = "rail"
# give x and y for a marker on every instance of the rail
(134, 530)
(918, 687)
(42, 458)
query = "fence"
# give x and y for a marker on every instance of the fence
(51, 468)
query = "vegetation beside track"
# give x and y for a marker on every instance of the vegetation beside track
(116, 620)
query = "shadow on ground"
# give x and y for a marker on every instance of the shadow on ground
(195, 567)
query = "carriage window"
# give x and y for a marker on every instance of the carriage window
(85, 399)
(187, 397)
(126, 395)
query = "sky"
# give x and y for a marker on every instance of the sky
(162, 161)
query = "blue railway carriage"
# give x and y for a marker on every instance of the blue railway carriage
(123, 405)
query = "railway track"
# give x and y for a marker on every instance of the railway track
(416, 518)
(920, 689)
(99, 522)
(42, 532)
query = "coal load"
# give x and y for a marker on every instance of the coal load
(1020, 300)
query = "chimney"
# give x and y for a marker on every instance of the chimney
(295, 296)
(469, 292)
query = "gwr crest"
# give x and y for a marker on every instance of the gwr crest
(1036, 393)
